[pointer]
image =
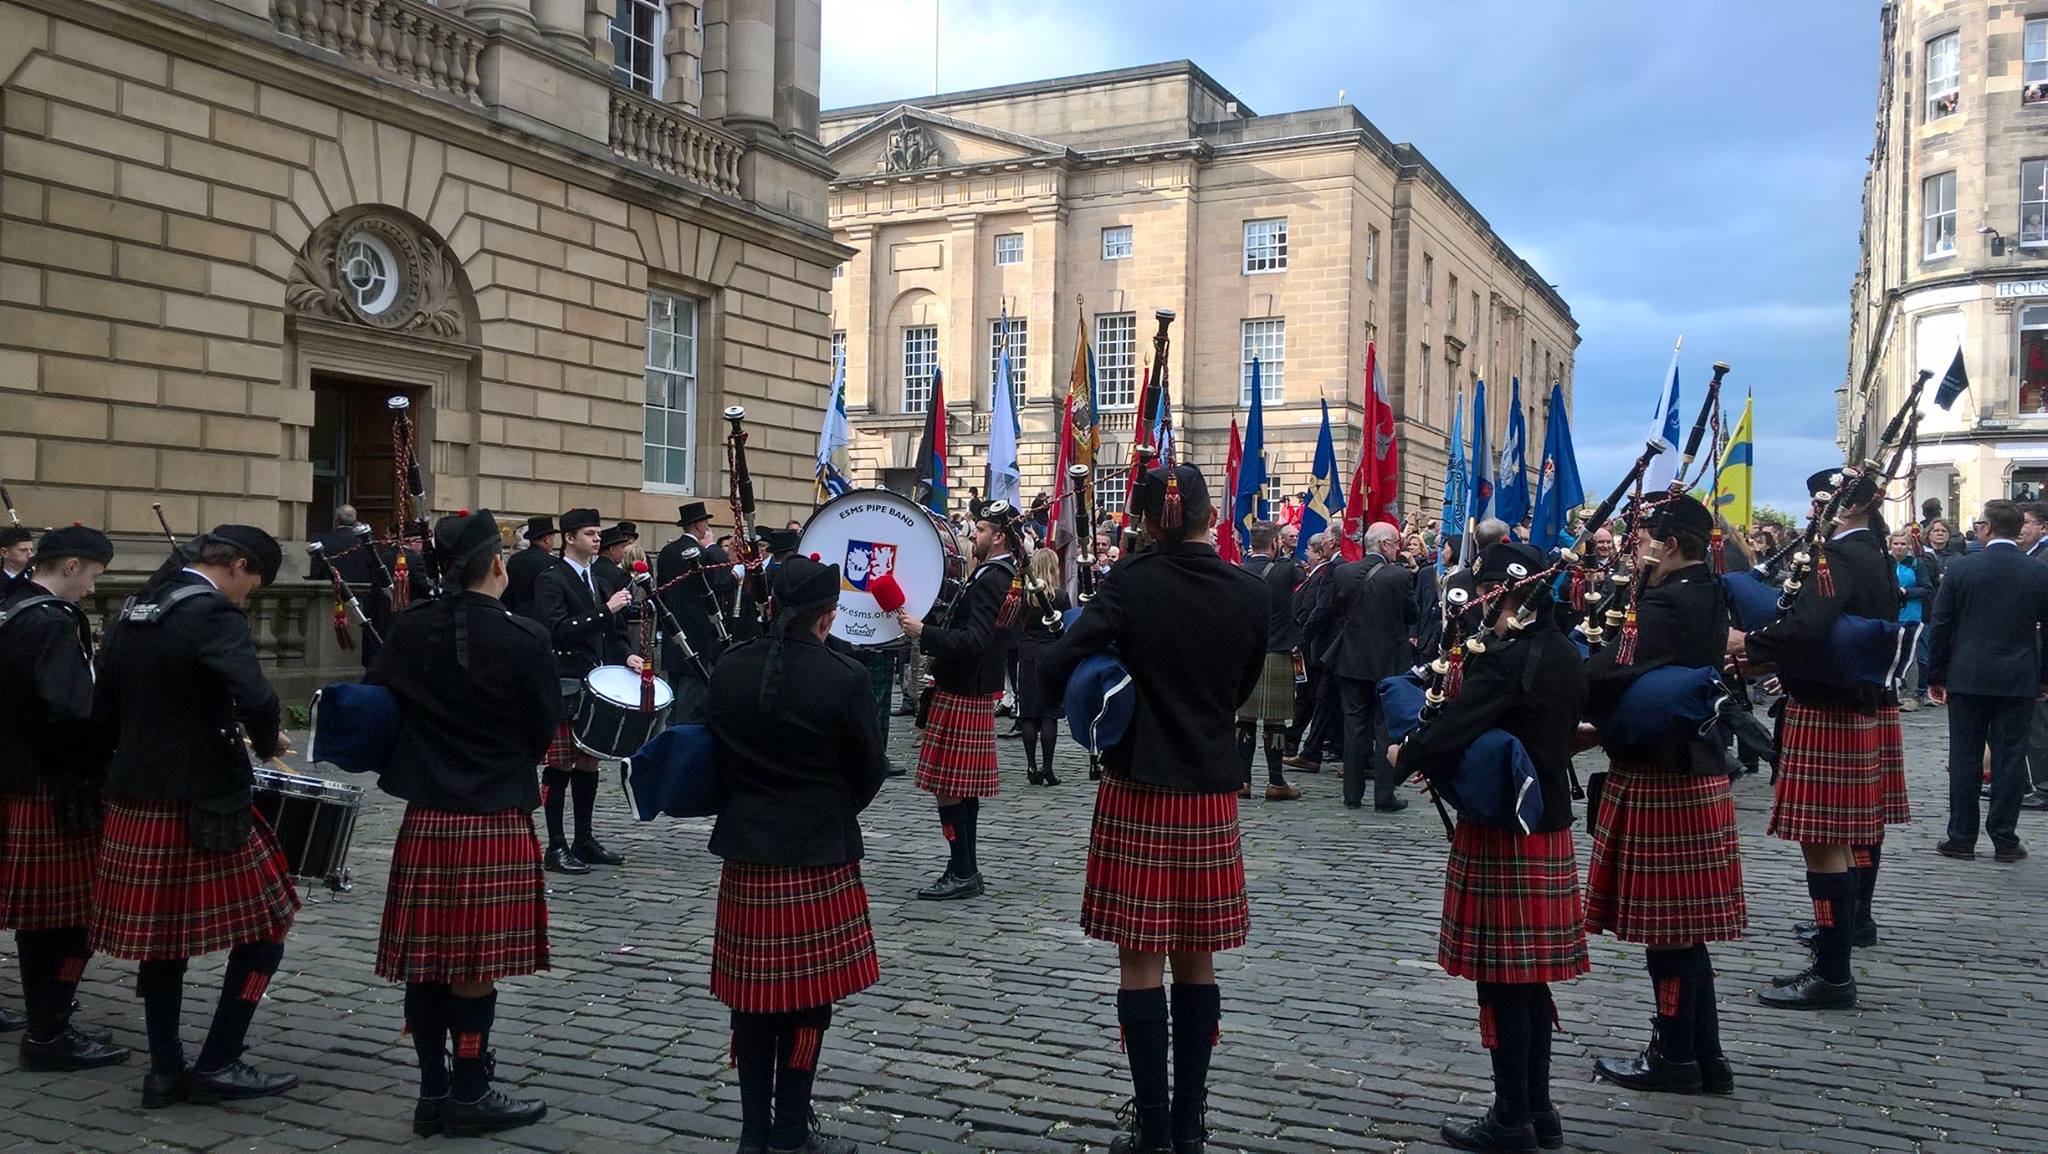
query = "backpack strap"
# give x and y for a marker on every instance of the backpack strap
(139, 612)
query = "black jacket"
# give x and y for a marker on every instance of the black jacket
(968, 652)
(794, 777)
(478, 704)
(1544, 717)
(585, 634)
(1313, 602)
(1282, 577)
(1429, 611)
(1682, 621)
(1984, 636)
(45, 692)
(1375, 604)
(175, 695)
(692, 607)
(522, 572)
(1192, 630)
(1866, 584)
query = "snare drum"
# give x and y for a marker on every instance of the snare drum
(314, 821)
(869, 532)
(608, 722)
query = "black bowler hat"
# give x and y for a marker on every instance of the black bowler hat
(539, 527)
(782, 540)
(1508, 561)
(576, 519)
(631, 530)
(615, 535)
(690, 514)
(251, 542)
(461, 536)
(74, 540)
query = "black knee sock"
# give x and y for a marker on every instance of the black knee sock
(1247, 747)
(1834, 916)
(161, 984)
(1276, 748)
(797, 1045)
(583, 789)
(1142, 1015)
(970, 828)
(554, 794)
(426, 1015)
(250, 966)
(1504, 1031)
(52, 961)
(1542, 1017)
(1048, 738)
(1706, 1016)
(952, 823)
(1866, 859)
(1197, 1014)
(1670, 978)
(753, 1055)
(469, 1024)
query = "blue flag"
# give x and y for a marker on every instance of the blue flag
(1664, 427)
(1325, 505)
(1511, 484)
(1249, 503)
(1479, 500)
(1452, 523)
(1558, 490)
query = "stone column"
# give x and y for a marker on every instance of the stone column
(798, 35)
(501, 13)
(866, 354)
(750, 62)
(562, 22)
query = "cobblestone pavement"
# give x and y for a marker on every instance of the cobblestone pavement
(993, 1027)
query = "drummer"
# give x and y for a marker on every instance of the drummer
(467, 904)
(584, 612)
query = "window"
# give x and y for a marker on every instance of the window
(1265, 339)
(1019, 329)
(920, 361)
(2034, 202)
(1265, 245)
(1474, 318)
(1110, 482)
(2034, 360)
(1451, 302)
(1427, 412)
(1010, 248)
(1428, 279)
(1116, 243)
(671, 404)
(1116, 360)
(637, 29)
(2034, 80)
(1372, 254)
(1276, 492)
(839, 352)
(1938, 197)
(1944, 75)
(839, 271)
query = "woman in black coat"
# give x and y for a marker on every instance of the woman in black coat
(1039, 713)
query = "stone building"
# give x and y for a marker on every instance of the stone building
(1955, 249)
(569, 231)
(1087, 203)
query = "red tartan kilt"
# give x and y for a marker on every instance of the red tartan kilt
(956, 757)
(791, 937)
(466, 901)
(1830, 788)
(1893, 748)
(1666, 868)
(1165, 870)
(45, 873)
(1512, 911)
(160, 896)
(564, 753)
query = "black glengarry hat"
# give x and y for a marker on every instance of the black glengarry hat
(461, 536)
(251, 542)
(802, 585)
(13, 535)
(74, 540)
(1150, 497)
(1508, 561)
(1683, 513)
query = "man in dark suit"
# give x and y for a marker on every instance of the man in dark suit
(584, 612)
(699, 603)
(1990, 668)
(524, 568)
(1319, 706)
(1375, 604)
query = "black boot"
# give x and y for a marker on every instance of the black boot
(561, 860)
(583, 791)
(1197, 1012)
(1489, 1133)
(220, 1075)
(473, 1107)
(1142, 1016)
(1651, 1069)
(1829, 984)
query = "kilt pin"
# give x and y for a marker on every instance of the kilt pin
(466, 902)
(1165, 870)
(1666, 867)
(956, 756)
(159, 896)
(1830, 788)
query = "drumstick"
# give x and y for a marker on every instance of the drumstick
(272, 761)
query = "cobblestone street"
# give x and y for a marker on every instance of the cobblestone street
(993, 1026)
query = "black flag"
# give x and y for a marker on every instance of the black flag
(1952, 383)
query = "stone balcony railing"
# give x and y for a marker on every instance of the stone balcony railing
(413, 41)
(672, 141)
(1118, 421)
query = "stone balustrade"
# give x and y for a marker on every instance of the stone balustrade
(413, 41)
(673, 142)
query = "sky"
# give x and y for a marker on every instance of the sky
(1683, 167)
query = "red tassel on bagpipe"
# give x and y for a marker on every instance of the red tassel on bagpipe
(646, 688)
(1578, 590)
(401, 588)
(341, 635)
(1823, 580)
(1717, 551)
(1454, 680)
(1169, 515)
(1625, 651)
(1012, 602)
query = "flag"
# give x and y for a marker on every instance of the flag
(833, 438)
(1325, 504)
(1080, 441)
(1385, 453)
(1732, 481)
(1479, 464)
(1249, 502)
(1004, 479)
(1664, 428)
(1141, 437)
(1226, 534)
(1162, 430)
(1350, 544)
(1558, 490)
(931, 452)
(1511, 486)
(1452, 523)
(1953, 382)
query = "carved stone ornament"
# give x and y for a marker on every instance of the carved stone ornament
(911, 147)
(366, 268)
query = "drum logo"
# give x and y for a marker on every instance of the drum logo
(865, 562)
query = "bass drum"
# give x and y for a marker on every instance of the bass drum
(608, 722)
(870, 532)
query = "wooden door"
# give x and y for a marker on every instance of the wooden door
(372, 480)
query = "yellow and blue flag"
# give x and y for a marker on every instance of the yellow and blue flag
(1732, 479)
(1325, 490)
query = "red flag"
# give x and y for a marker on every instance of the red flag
(1141, 438)
(1381, 445)
(1226, 537)
(1355, 502)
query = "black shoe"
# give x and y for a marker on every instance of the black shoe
(1348, 804)
(891, 769)
(426, 1116)
(1651, 1070)
(1128, 1142)
(1810, 991)
(1958, 852)
(2009, 855)
(1864, 937)
(489, 1114)
(561, 860)
(1784, 980)
(1031, 776)
(949, 888)
(590, 853)
(233, 1082)
(905, 710)
(160, 1090)
(1395, 806)
(1549, 1127)
(1047, 777)
(12, 1020)
(1716, 1076)
(69, 1050)
(1012, 735)
(1488, 1133)
(753, 1148)
(2035, 800)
